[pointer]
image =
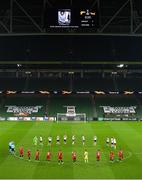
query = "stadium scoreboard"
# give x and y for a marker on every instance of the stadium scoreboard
(71, 18)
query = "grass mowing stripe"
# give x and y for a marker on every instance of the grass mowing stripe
(57, 129)
(128, 136)
(128, 143)
(27, 141)
(107, 171)
(88, 131)
(19, 128)
(40, 132)
(5, 128)
(8, 136)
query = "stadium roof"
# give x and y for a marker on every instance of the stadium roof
(28, 16)
(25, 40)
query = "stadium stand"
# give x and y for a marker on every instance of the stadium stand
(17, 84)
(18, 106)
(51, 84)
(91, 84)
(129, 83)
(70, 59)
(41, 106)
(107, 84)
(83, 104)
(121, 107)
(33, 84)
(95, 107)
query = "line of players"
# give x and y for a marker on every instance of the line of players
(73, 155)
(109, 141)
(60, 154)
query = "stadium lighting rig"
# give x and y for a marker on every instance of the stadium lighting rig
(120, 65)
(19, 65)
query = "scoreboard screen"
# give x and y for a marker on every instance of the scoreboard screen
(88, 18)
(71, 18)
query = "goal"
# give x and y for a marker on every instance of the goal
(75, 117)
(71, 115)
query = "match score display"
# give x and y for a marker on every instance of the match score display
(71, 18)
(88, 18)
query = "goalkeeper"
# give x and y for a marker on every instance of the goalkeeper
(35, 140)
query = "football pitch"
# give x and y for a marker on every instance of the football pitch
(127, 134)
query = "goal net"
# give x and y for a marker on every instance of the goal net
(71, 115)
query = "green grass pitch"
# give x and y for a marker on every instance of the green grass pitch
(128, 135)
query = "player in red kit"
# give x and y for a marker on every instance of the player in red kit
(98, 155)
(29, 154)
(111, 156)
(37, 155)
(74, 156)
(60, 157)
(120, 155)
(21, 151)
(48, 156)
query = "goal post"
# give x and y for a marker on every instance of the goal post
(71, 115)
(75, 117)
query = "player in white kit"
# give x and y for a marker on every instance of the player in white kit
(114, 143)
(107, 141)
(73, 139)
(83, 140)
(95, 140)
(41, 140)
(58, 139)
(49, 140)
(65, 139)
